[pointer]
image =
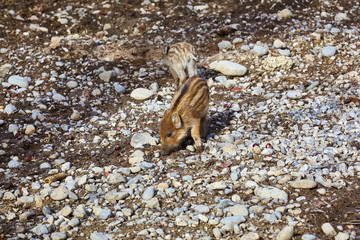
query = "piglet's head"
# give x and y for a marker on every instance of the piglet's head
(172, 132)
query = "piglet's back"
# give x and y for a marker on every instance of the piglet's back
(192, 100)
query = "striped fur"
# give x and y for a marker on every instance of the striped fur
(188, 112)
(180, 58)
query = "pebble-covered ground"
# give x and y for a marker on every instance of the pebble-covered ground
(83, 89)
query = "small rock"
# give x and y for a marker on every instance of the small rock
(286, 234)
(279, 44)
(115, 178)
(136, 157)
(40, 230)
(4, 69)
(341, 17)
(217, 233)
(98, 236)
(148, 193)
(342, 236)
(250, 236)
(233, 220)
(14, 164)
(285, 14)
(296, 94)
(277, 63)
(260, 50)
(9, 109)
(80, 212)
(217, 185)
(328, 51)
(271, 193)
(153, 203)
(141, 94)
(239, 210)
(107, 76)
(71, 84)
(140, 139)
(224, 45)
(30, 129)
(119, 88)
(57, 97)
(308, 237)
(59, 193)
(75, 116)
(228, 68)
(19, 81)
(58, 236)
(328, 230)
(303, 184)
(267, 152)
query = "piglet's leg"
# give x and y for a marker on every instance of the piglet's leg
(195, 134)
(175, 76)
(203, 126)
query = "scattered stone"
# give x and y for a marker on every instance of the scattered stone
(136, 157)
(228, 68)
(141, 139)
(285, 14)
(10, 109)
(19, 81)
(250, 236)
(260, 50)
(296, 94)
(286, 234)
(71, 84)
(30, 129)
(277, 63)
(328, 230)
(224, 45)
(58, 236)
(303, 184)
(107, 76)
(328, 51)
(59, 193)
(75, 116)
(271, 193)
(279, 44)
(141, 94)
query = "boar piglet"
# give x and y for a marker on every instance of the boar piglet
(188, 113)
(180, 57)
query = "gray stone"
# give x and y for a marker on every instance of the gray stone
(341, 17)
(107, 76)
(303, 184)
(140, 139)
(279, 44)
(239, 209)
(58, 236)
(19, 81)
(105, 214)
(295, 94)
(9, 109)
(57, 97)
(74, 222)
(59, 193)
(98, 236)
(260, 50)
(75, 116)
(13, 128)
(228, 68)
(71, 84)
(148, 193)
(14, 164)
(26, 200)
(277, 63)
(308, 237)
(136, 157)
(285, 14)
(224, 45)
(342, 236)
(4, 69)
(328, 51)
(40, 230)
(217, 185)
(250, 236)
(202, 208)
(153, 203)
(233, 220)
(119, 88)
(271, 193)
(328, 230)
(286, 234)
(141, 94)
(284, 52)
(116, 178)
(80, 212)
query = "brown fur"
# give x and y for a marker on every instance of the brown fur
(180, 57)
(188, 112)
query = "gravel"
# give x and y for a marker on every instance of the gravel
(280, 158)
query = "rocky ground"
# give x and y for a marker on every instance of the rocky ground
(83, 89)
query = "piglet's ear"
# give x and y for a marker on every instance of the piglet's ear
(176, 120)
(166, 50)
